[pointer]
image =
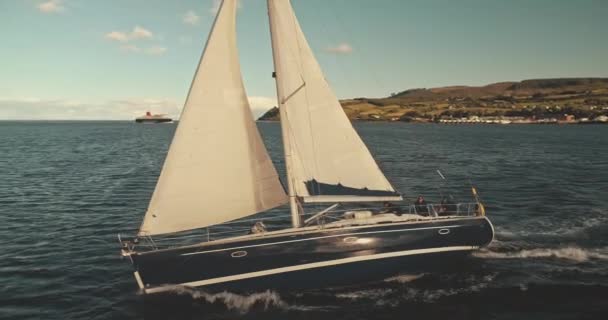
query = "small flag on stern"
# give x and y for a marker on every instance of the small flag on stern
(482, 210)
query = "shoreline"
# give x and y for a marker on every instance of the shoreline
(459, 122)
(454, 122)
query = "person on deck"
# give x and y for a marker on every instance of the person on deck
(447, 206)
(421, 207)
(258, 227)
(389, 207)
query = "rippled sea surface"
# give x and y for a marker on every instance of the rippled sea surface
(67, 189)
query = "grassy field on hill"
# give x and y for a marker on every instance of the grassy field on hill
(581, 97)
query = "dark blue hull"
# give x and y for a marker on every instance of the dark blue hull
(313, 258)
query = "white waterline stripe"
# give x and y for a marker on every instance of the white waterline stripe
(492, 227)
(309, 266)
(315, 238)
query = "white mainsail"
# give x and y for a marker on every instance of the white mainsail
(328, 161)
(217, 168)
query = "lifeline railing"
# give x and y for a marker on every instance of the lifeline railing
(244, 226)
(427, 210)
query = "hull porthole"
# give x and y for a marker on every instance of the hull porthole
(443, 231)
(238, 254)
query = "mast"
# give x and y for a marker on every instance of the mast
(293, 201)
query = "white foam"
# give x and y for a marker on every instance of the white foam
(432, 295)
(405, 278)
(394, 297)
(243, 303)
(373, 294)
(236, 302)
(568, 228)
(568, 253)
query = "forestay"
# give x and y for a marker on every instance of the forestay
(217, 168)
(328, 160)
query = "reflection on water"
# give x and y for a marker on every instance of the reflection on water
(68, 188)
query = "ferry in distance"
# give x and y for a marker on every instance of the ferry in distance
(153, 118)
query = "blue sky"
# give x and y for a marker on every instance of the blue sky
(114, 59)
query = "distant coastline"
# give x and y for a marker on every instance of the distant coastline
(538, 101)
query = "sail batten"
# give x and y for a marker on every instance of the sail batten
(328, 158)
(217, 168)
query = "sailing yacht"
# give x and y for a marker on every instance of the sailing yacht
(218, 171)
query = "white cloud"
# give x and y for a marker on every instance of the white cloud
(21, 99)
(34, 108)
(51, 6)
(342, 48)
(135, 107)
(156, 50)
(68, 109)
(140, 33)
(191, 18)
(259, 105)
(137, 33)
(117, 36)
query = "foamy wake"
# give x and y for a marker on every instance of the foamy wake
(568, 253)
(476, 284)
(244, 303)
(405, 278)
(372, 294)
(568, 229)
(392, 297)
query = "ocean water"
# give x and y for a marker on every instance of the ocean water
(67, 189)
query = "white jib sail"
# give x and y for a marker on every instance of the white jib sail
(329, 161)
(217, 168)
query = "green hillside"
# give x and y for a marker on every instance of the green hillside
(581, 97)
